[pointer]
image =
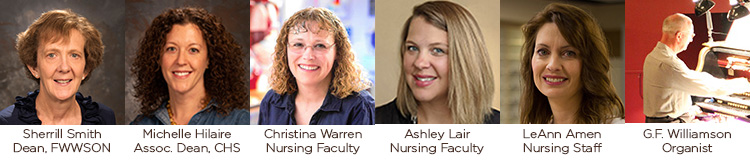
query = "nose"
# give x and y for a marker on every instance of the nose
(553, 64)
(307, 54)
(181, 58)
(423, 60)
(64, 66)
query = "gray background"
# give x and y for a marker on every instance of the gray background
(111, 83)
(107, 82)
(234, 15)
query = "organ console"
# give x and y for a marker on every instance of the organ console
(727, 59)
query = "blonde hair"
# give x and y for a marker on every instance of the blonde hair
(347, 75)
(471, 79)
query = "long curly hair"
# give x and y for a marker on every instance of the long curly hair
(600, 103)
(55, 25)
(347, 75)
(224, 78)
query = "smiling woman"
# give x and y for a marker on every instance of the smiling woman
(564, 69)
(200, 79)
(446, 76)
(59, 50)
(316, 80)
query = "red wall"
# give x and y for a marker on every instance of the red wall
(643, 20)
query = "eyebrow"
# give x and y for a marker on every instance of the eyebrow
(431, 44)
(190, 44)
(314, 41)
(563, 47)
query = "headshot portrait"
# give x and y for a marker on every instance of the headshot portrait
(189, 69)
(315, 76)
(445, 74)
(54, 56)
(565, 70)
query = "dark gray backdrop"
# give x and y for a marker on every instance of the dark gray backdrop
(122, 23)
(107, 82)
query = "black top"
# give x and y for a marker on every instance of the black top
(23, 112)
(390, 114)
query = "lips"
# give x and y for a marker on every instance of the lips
(308, 67)
(63, 81)
(424, 80)
(181, 74)
(554, 80)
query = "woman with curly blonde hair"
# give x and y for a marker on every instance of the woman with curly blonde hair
(189, 70)
(446, 76)
(315, 79)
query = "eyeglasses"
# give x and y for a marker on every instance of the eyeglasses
(319, 48)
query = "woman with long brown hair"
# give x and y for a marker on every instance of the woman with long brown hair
(564, 70)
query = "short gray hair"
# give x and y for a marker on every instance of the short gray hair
(674, 23)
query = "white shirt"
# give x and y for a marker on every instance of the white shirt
(668, 84)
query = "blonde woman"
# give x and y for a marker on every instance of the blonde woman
(315, 79)
(446, 76)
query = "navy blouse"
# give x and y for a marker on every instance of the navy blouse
(356, 109)
(23, 112)
(207, 116)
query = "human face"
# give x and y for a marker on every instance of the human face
(184, 59)
(60, 66)
(426, 61)
(556, 64)
(686, 36)
(311, 55)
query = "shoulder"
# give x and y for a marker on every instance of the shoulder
(272, 97)
(7, 112)
(389, 114)
(95, 113)
(493, 118)
(360, 98)
(23, 111)
(616, 121)
(145, 120)
(239, 117)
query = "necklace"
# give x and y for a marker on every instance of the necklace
(171, 116)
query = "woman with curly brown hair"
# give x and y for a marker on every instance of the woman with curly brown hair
(60, 49)
(189, 70)
(315, 79)
(564, 69)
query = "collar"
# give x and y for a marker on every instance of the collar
(28, 113)
(163, 115)
(330, 103)
(666, 49)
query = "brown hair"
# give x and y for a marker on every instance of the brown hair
(56, 25)
(224, 77)
(600, 103)
(347, 75)
(471, 79)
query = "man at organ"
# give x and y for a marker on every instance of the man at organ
(668, 82)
